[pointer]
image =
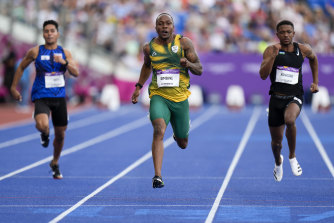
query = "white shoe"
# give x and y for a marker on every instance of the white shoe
(278, 171)
(295, 167)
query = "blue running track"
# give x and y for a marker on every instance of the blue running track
(225, 174)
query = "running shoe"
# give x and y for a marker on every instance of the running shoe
(278, 171)
(45, 140)
(157, 182)
(55, 171)
(295, 167)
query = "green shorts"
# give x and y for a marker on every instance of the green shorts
(175, 112)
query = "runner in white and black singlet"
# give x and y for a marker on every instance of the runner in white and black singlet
(283, 62)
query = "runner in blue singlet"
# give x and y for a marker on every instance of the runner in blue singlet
(48, 91)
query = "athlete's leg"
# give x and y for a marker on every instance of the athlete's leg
(182, 143)
(60, 121)
(42, 123)
(290, 115)
(58, 143)
(159, 128)
(180, 123)
(41, 115)
(159, 116)
(276, 126)
(276, 142)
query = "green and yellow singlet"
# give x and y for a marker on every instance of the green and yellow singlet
(170, 80)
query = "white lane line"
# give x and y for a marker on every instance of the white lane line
(73, 125)
(31, 120)
(242, 145)
(17, 123)
(21, 139)
(179, 178)
(317, 142)
(113, 133)
(200, 120)
(159, 205)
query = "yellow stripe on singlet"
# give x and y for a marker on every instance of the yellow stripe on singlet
(164, 57)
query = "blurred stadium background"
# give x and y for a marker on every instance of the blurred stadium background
(106, 38)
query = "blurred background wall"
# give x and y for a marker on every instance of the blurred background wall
(106, 38)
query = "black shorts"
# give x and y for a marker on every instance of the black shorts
(277, 106)
(58, 109)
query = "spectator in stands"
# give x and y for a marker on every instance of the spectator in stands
(9, 66)
(24, 86)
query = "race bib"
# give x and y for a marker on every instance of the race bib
(168, 78)
(58, 54)
(54, 79)
(287, 75)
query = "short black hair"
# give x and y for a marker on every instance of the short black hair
(164, 13)
(284, 22)
(50, 22)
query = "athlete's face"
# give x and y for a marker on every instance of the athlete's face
(164, 27)
(50, 34)
(285, 34)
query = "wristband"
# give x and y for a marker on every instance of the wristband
(66, 63)
(139, 85)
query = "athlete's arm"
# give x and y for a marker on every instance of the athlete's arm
(27, 59)
(145, 72)
(269, 56)
(313, 60)
(191, 59)
(72, 66)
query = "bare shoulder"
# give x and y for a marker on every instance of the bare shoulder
(146, 51)
(272, 47)
(32, 53)
(268, 51)
(66, 50)
(146, 48)
(186, 42)
(269, 47)
(67, 53)
(304, 46)
(29, 57)
(306, 50)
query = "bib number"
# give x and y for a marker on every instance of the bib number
(54, 79)
(168, 78)
(287, 75)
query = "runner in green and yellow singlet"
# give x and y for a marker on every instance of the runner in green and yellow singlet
(169, 57)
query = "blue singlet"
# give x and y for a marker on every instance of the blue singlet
(50, 78)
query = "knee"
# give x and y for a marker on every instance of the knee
(276, 144)
(42, 126)
(59, 136)
(182, 143)
(158, 131)
(289, 122)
